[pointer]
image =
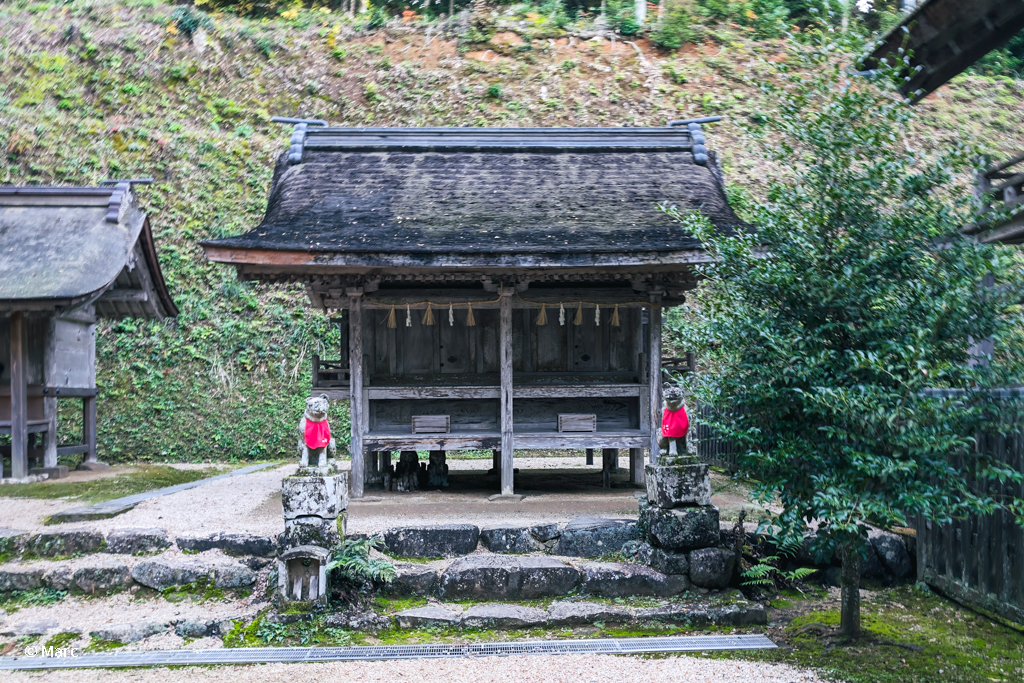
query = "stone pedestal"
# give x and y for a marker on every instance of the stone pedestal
(313, 505)
(677, 486)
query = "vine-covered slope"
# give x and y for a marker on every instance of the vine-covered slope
(93, 89)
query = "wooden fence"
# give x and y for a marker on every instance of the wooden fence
(712, 448)
(979, 561)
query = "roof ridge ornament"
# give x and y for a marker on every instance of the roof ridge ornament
(700, 152)
(121, 188)
(298, 140)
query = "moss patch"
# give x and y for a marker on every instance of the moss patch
(145, 478)
(59, 640)
(909, 636)
(101, 645)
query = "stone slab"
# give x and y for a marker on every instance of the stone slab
(162, 574)
(893, 555)
(66, 543)
(428, 617)
(319, 531)
(131, 632)
(429, 541)
(503, 616)
(681, 528)
(36, 627)
(546, 532)
(577, 613)
(20, 579)
(93, 512)
(503, 577)
(620, 580)
(136, 541)
(230, 544)
(665, 561)
(730, 609)
(506, 539)
(413, 579)
(102, 574)
(595, 536)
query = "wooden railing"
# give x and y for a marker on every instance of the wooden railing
(1000, 190)
(329, 373)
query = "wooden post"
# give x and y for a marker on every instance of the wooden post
(606, 467)
(50, 399)
(636, 466)
(89, 427)
(385, 461)
(654, 377)
(590, 456)
(19, 398)
(505, 333)
(356, 407)
(495, 461)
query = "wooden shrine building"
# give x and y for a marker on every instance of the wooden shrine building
(501, 288)
(68, 255)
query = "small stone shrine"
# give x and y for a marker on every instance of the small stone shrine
(313, 503)
(679, 525)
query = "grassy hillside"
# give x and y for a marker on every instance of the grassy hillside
(97, 89)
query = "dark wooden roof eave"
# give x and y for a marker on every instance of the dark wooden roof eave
(947, 37)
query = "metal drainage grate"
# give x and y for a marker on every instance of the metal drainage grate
(266, 655)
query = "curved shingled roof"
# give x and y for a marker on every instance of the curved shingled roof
(486, 191)
(69, 246)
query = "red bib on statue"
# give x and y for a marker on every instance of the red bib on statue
(674, 423)
(318, 434)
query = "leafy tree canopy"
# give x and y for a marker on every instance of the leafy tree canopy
(853, 297)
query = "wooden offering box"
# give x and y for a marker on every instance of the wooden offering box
(431, 424)
(577, 422)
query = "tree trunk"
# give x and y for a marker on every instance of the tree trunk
(849, 619)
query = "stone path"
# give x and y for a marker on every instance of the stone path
(111, 508)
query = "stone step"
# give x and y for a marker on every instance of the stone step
(727, 609)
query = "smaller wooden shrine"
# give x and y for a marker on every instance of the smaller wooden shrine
(70, 255)
(497, 288)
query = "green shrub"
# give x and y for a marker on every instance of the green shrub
(674, 30)
(188, 20)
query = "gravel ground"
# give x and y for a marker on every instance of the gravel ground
(524, 669)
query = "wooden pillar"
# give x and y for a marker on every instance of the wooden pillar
(19, 398)
(385, 461)
(606, 467)
(654, 337)
(356, 407)
(636, 466)
(590, 456)
(49, 398)
(89, 427)
(507, 441)
(495, 461)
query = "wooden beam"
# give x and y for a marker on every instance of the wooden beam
(89, 427)
(124, 295)
(507, 439)
(654, 377)
(356, 407)
(19, 397)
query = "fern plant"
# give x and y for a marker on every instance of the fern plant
(766, 573)
(351, 560)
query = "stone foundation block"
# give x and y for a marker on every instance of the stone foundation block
(20, 579)
(314, 496)
(681, 528)
(428, 617)
(712, 567)
(503, 616)
(673, 486)
(665, 561)
(413, 579)
(444, 540)
(620, 580)
(484, 577)
(501, 539)
(65, 543)
(130, 633)
(231, 544)
(564, 613)
(323, 533)
(136, 541)
(595, 536)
